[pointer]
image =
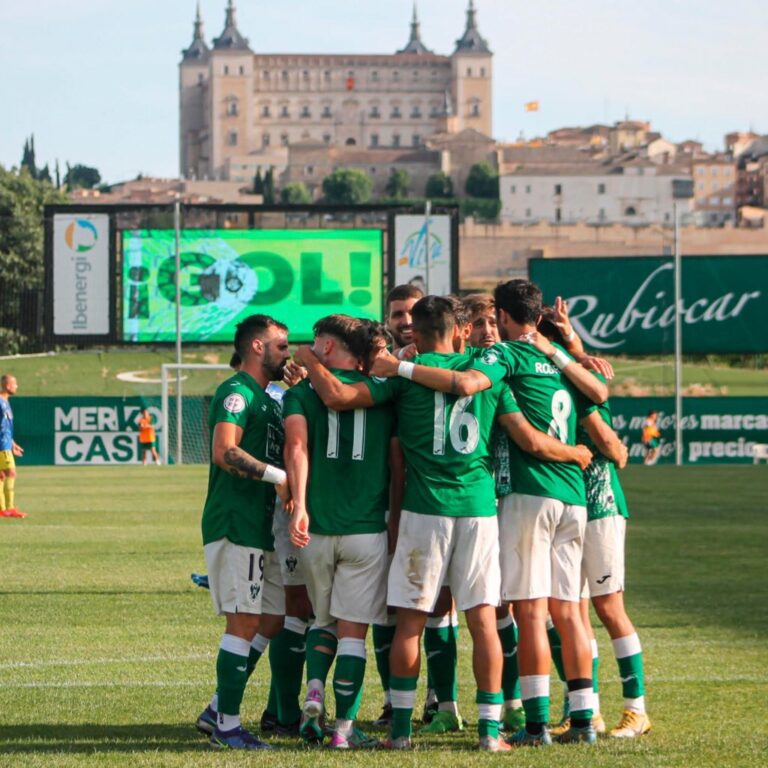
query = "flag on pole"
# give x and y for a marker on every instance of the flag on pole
(532, 106)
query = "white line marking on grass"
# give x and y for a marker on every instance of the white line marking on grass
(88, 662)
(133, 684)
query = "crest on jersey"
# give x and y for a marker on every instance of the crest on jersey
(234, 403)
(490, 357)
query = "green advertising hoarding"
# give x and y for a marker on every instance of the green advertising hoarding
(626, 305)
(297, 276)
(96, 431)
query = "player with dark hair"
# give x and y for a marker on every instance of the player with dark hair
(244, 576)
(399, 320)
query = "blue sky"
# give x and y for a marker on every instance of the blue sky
(96, 80)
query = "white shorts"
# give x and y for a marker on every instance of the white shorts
(603, 564)
(287, 554)
(434, 551)
(243, 579)
(346, 577)
(541, 548)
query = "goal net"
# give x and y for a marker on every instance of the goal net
(186, 394)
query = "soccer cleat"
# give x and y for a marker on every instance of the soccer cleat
(631, 725)
(493, 744)
(356, 740)
(561, 727)
(268, 722)
(430, 710)
(206, 722)
(513, 719)
(401, 742)
(291, 729)
(313, 703)
(574, 735)
(443, 722)
(200, 579)
(385, 718)
(311, 730)
(237, 738)
(12, 512)
(598, 723)
(524, 739)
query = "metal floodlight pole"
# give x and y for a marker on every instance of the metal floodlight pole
(164, 408)
(427, 214)
(177, 228)
(678, 343)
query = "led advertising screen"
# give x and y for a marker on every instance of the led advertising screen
(296, 276)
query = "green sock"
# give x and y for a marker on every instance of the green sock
(440, 647)
(286, 662)
(348, 677)
(629, 655)
(321, 651)
(272, 700)
(403, 692)
(488, 713)
(556, 647)
(231, 673)
(258, 646)
(382, 643)
(595, 666)
(535, 694)
(510, 675)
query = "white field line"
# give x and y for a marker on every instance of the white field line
(88, 662)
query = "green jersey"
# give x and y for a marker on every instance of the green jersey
(241, 509)
(605, 496)
(552, 405)
(348, 485)
(446, 441)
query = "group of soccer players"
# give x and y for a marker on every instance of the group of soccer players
(410, 471)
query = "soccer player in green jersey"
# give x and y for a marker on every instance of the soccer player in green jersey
(448, 530)
(243, 572)
(337, 464)
(547, 508)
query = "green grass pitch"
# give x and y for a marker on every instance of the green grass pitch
(107, 649)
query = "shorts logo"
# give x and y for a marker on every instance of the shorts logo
(290, 563)
(255, 589)
(601, 581)
(234, 403)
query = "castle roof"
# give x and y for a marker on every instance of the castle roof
(230, 39)
(414, 44)
(198, 50)
(471, 41)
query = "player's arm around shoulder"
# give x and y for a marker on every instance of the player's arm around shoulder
(605, 439)
(335, 394)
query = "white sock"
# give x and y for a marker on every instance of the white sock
(227, 722)
(635, 705)
(448, 706)
(317, 685)
(215, 702)
(344, 728)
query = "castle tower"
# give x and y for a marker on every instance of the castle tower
(472, 63)
(230, 96)
(193, 83)
(414, 44)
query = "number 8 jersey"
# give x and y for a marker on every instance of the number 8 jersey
(446, 441)
(551, 404)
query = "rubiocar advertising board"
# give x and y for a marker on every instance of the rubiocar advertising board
(297, 276)
(104, 430)
(626, 305)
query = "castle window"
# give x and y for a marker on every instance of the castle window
(601, 189)
(415, 74)
(285, 74)
(266, 74)
(558, 189)
(350, 142)
(305, 75)
(242, 69)
(416, 140)
(200, 79)
(264, 139)
(226, 69)
(374, 139)
(232, 138)
(305, 111)
(284, 111)
(326, 112)
(416, 111)
(469, 71)
(284, 139)
(396, 140)
(474, 108)
(630, 211)
(375, 76)
(482, 71)
(326, 138)
(232, 107)
(395, 75)
(396, 112)
(309, 170)
(375, 112)
(327, 76)
(265, 111)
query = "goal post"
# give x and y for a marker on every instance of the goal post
(176, 448)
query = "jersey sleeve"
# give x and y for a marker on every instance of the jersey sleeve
(507, 401)
(383, 390)
(492, 362)
(232, 408)
(293, 403)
